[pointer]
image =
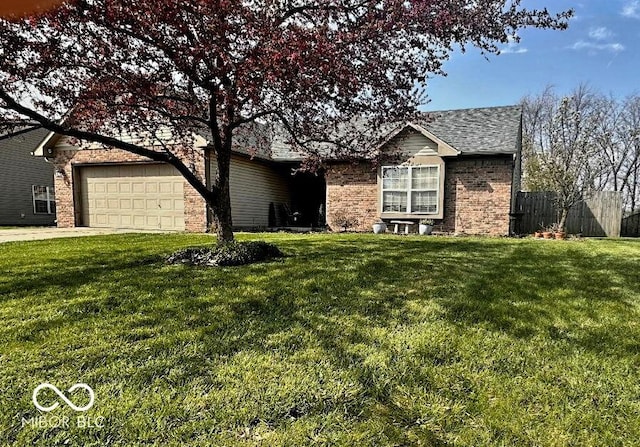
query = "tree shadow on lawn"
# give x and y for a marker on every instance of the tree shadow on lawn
(516, 288)
(529, 292)
(338, 295)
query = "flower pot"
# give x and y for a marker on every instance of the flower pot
(537, 234)
(547, 234)
(425, 229)
(560, 235)
(379, 227)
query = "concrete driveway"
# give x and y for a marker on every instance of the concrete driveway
(40, 233)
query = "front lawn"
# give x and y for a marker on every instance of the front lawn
(354, 340)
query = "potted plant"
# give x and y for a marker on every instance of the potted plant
(547, 232)
(538, 232)
(379, 226)
(558, 232)
(425, 226)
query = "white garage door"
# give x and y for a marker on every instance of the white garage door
(146, 197)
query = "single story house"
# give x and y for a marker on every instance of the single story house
(27, 195)
(461, 169)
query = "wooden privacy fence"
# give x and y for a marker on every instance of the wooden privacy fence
(599, 215)
(631, 225)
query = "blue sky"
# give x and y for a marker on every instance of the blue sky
(600, 48)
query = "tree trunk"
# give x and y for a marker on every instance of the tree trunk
(221, 219)
(220, 202)
(564, 213)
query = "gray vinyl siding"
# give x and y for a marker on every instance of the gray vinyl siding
(412, 144)
(19, 171)
(254, 185)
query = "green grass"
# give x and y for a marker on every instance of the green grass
(354, 340)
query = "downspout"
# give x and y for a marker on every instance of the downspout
(516, 180)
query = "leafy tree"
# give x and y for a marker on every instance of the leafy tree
(99, 69)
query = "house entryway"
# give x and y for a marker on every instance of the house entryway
(307, 208)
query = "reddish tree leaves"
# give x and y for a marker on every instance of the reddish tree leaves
(315, 69)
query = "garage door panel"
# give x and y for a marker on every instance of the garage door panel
(138, 221)
(132, 196)
(153, 221)
(165, 187)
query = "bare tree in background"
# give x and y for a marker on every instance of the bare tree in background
(583, 142)
(629, 175)
(617, 134)
(560, 152)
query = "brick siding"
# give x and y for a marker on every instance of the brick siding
(65, 160)
(352, 192)
(477, 195)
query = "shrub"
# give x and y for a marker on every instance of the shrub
(227, 254)
(344, 220)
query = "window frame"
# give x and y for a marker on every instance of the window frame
(409, 190)
(50, 200)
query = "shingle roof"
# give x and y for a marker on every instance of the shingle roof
(281, 151)
(30, 139)
(491, 130)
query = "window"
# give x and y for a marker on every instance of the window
(410, 189)
(44, 200)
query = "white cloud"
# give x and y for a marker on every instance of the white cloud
(512, 47)
(600, 33)
(632, 9)
(612, 47)
(515, 50)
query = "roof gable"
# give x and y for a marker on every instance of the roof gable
(443, 149)
(48, 142)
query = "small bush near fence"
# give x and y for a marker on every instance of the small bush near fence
(597, 216)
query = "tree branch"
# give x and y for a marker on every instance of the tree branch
(166, 157)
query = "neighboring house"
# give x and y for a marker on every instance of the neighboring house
(461, 169)
(26, 182)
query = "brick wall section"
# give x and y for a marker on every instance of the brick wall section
(194, 204)
(352, 191)
(478, 195)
